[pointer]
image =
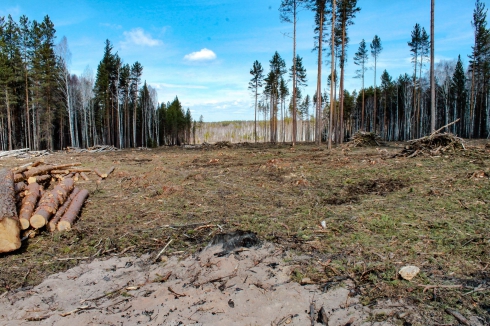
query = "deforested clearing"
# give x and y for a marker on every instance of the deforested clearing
(339, 222)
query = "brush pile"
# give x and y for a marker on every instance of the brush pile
(37, 196)
(23, 153)
(93, 149)
(364, 139)
(433, 145)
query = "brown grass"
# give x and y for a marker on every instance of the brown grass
(381, 214)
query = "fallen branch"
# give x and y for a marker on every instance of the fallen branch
(161, 251)
(459, 317)
(429, 286)
(175, 293)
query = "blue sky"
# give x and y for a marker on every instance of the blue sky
(202, 51)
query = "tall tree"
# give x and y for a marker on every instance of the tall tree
(347, 10)
(376, 49)
(320, 9)
(460, 95)
(136, 72)
(332, 78)
(277, 69)
(255, 83)
(361, 58)
(289, 13)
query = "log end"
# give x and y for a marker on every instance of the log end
(37, 221)
(9, 235)
(64, 226)
(24, 224)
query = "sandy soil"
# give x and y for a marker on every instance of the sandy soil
(246, 287)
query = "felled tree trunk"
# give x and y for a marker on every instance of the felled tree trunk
(49, 203)
(43, 169)
(71, 213)
(59, 214)
(9, 221)
(29, 204)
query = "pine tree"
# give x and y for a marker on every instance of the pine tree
(255, 83)
(136, 73)
(347, 10)
(376, 49)
(361, 58)
(460, 96)
(289, 13)
(321, 11)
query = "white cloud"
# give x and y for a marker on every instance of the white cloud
(137, 36)
(203, 55)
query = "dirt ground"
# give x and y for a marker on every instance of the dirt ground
(379, 214)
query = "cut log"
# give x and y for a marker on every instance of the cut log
(19, 186)
(84, 176)
(9, 221)
(71, 213)
(111, 169)
(44, 169)
(49, 203)
(39, 179)
(54, 221)
(29, 203)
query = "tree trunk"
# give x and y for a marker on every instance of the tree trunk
(29, 202)
(9, 221)
(432, 79)
(332, 83)
(71, 213)
(49, 203)
(318, 132)
(61, 211)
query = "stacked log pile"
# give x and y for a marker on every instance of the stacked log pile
(364, 139)
(38, 196)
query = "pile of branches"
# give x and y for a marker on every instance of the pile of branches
(23, 153)
(364, 139)
(435, 144)
(93, 149)
(39, 196)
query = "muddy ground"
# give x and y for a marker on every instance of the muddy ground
(380, 214)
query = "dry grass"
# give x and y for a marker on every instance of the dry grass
(381, 214)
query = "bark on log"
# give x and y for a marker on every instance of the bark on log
(29, 202)
(19, 186)
(84, 176)
(9, 221)
(54, 221)
(49, 203)
(44, 169)
(71, 213)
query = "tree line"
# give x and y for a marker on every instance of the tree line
(399, 108)
(44, 106)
